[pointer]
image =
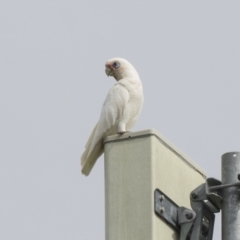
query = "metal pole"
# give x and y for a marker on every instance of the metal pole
(231, 197)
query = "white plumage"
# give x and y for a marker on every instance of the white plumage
(120, 110)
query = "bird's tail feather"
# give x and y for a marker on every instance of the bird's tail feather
(88, 159)
(87, 146)
(91, 137)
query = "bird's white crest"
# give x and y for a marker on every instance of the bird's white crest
(120, 110)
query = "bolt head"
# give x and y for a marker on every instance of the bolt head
(161, 210)
(194, 195)
(189, 215)
(161, 198)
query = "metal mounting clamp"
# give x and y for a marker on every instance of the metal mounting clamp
(180, 218)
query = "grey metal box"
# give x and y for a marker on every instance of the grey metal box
(136, 163)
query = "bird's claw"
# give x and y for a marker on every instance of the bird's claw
(120, 133)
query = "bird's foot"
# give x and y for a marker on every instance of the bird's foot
(120, 133)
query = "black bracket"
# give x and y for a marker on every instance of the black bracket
(179, 218)
(196, 224)
(166, 209)
(204, 209)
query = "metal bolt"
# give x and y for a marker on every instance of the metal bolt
(194, 195)
(161, 210)
(188, 215)
(161, 198)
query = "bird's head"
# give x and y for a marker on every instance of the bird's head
(120, 68)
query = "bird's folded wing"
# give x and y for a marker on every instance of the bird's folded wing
(112, 110)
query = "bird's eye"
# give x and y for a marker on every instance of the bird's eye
(116, 65)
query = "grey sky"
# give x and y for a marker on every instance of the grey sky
(53, 84)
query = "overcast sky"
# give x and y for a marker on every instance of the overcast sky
(53, 84)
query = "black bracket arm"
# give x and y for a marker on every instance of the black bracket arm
(179, 218)
(196, 224)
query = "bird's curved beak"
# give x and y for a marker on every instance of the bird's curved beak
(108, 71)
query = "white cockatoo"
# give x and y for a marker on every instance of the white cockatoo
(120, 110)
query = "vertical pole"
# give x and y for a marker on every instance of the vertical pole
(231, 197)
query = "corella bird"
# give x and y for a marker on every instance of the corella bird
(119, 112)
